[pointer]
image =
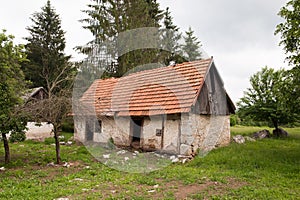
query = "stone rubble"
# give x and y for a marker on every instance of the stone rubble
(239, 139)
(106, 156)
(262, 134)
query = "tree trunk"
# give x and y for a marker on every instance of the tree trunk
(6, 148)
(275, 123)
(57, 147)
(275, 131)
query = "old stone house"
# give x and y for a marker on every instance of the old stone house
(42, 130)
(177, 109)
(37, 93)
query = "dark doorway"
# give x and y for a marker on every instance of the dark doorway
(89, 130)
(136, 129)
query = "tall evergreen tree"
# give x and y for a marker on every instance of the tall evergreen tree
(49, 66)
(191, 47)
(170, 40)
(107, 19)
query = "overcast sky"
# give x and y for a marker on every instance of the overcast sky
(239, 34)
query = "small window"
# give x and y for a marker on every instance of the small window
(98, 126)
(158, 132)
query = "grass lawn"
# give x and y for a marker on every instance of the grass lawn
(265, 169)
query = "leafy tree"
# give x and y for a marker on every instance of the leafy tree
(269, 99)
(289, 30)
(191, 47)
(49, 66)
(170, 40)
(11, 87)
(54, 110)
(290, 40)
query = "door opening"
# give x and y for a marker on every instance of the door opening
(89, 133)
(136, 129)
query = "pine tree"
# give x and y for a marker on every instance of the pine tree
(49, 67)
(191, 47)
(107, 19)
(170, 40)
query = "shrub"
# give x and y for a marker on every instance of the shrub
(17, 137)
(111, 143)
(68, 125)
(233, 120)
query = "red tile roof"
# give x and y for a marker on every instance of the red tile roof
(165, 90)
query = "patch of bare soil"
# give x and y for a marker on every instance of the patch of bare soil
(182, 191)
(208, 188)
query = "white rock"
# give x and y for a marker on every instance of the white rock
(175, 160)
(155, 186)
(87, 167)
(67, 165)
(61, 137)
(126, 158)
(136, 152)
(239, 139)
(106, 155)
(184, 161)
(121, 152)
(62, 143)
(172, 157)
(2, 168)
(51, 164)
(69, 142)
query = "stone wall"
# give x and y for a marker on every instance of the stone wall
(40, 132)
(183, 135)
(116, 128)
(204, 132)
(119, 129)
(79, 128)
(149, 138)
(171, 135)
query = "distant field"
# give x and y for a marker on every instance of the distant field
(265, 169)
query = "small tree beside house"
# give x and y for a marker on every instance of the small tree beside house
(11, 86)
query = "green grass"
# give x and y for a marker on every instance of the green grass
(264, 169)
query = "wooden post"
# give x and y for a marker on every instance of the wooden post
(162, 131)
